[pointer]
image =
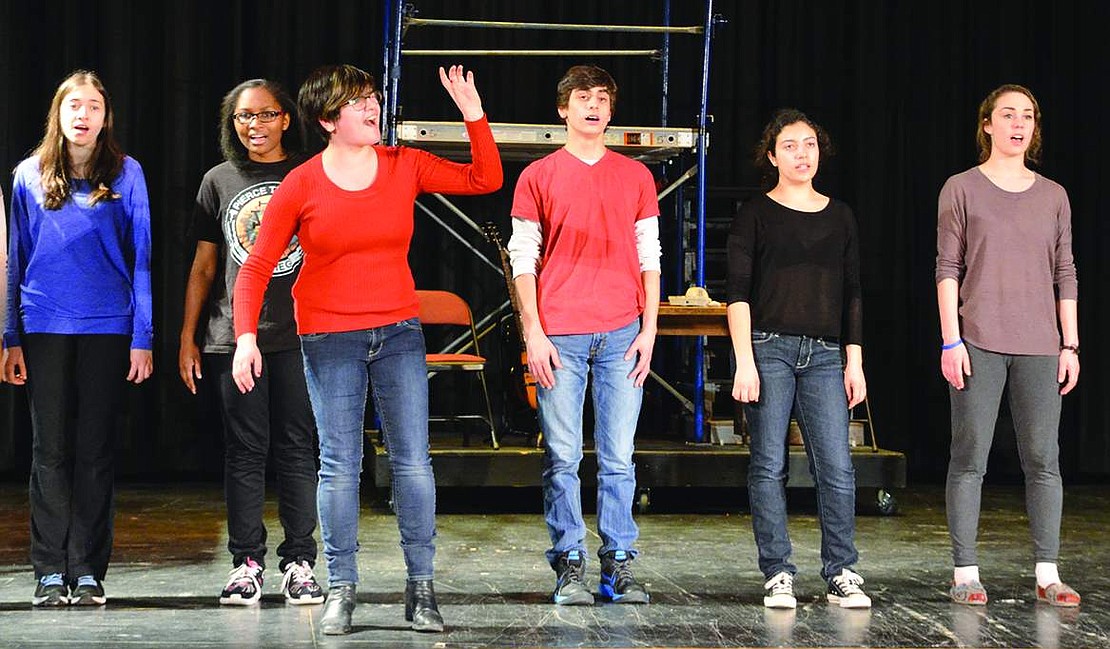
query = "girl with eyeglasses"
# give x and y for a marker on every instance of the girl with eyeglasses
(351, 207)
(78, 323)
(275, 419)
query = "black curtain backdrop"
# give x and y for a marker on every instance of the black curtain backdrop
(896, 84)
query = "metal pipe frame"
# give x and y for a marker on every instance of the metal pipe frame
(703, 119)
(665, 65)
(566, 27)
(648, 53)
(482, 328)
(690, 173)
(393, 73)
(398, 17)
(466, 244)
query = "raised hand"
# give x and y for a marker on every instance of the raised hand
(463, 91)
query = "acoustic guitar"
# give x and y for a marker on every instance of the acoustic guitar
(526, 386)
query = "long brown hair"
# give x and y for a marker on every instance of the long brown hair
(983, 140)
(55, 166)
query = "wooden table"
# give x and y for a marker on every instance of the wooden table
(692, 320)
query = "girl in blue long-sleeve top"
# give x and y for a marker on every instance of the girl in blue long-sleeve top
(78, 322)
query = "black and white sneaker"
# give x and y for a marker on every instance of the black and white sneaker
(244, 584)
(299, 584)
(844, 589)
(87, 591)
(780, 591)
(51, 590)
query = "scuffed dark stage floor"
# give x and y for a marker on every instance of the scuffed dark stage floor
(170, 563)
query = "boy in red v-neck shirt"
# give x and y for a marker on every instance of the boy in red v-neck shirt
(585, 255)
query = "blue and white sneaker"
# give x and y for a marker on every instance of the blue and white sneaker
(617, 583)
(570, 583)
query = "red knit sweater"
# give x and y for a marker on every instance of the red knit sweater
(356, 243)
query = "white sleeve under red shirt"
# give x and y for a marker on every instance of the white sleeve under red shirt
(588, 278)
(356, 243)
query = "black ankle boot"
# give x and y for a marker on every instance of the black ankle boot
(420, 607)
(335, 619)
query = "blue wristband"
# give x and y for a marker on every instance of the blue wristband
(952, 345)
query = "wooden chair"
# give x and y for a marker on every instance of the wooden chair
(446, 308)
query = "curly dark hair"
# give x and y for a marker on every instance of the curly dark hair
(782, 118)
(291, 141)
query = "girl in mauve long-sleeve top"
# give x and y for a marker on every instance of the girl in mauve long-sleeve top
(1007, 295)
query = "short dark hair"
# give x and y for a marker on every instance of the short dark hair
(233, 149)
(584, 77)
(326, 90)
(782, 118)
(1033, 152)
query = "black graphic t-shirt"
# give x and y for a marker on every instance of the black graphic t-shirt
(229, 208)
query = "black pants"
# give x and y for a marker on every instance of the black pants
(75, 384)
(276, 417)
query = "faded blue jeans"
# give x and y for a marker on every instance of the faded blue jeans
(804, 375)
(616, 402)
(338, 367)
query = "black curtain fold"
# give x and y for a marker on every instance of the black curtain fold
(896, 84)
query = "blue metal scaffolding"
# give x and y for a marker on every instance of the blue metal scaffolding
(400, 16)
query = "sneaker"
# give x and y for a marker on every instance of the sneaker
(51, 591)
(244, 585)
(780, 591)
(88, 591)
(617, 583)
(299, 584)
(844, 589)
(570, 584)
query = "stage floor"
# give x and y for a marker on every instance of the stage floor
(170, 563)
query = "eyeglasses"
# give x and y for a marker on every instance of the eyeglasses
(362, 103)
(265, 116)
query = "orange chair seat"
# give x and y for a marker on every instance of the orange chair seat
(455, 359)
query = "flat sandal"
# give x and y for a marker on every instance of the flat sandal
(1058, 594)
(971, 593)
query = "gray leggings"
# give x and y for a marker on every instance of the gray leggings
(1035, 406)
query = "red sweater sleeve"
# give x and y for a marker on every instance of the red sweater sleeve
(481, 176)
(279, 224)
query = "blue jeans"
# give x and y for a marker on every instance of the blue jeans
(805, 375)
(338, 367)
(616, 409)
